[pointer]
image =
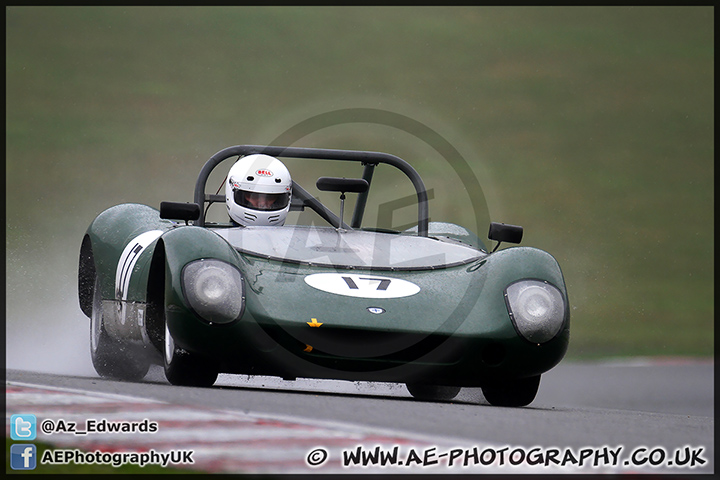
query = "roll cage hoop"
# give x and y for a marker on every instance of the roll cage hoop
(300, 197)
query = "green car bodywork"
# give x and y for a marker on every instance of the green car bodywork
(427, 307)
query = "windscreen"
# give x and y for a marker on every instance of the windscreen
(359, 249)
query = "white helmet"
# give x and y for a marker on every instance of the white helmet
(258, 191)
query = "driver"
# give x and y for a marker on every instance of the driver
(258, 191)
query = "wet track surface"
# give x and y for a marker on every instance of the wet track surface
(638, 407)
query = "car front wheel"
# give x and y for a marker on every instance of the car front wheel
(112, 358)
(185, 368)
(515, 393)
(432, 393)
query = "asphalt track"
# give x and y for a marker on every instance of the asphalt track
(651, 409)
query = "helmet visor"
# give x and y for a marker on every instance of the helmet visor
(262, 201)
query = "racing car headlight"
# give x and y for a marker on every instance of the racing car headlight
(536, 308)
(214, 290)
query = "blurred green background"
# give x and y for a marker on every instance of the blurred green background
(592, 127)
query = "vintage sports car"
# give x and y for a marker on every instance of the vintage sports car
(430, 307)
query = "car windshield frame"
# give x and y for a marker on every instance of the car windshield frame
(354, 249)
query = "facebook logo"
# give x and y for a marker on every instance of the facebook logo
(22, 457)
(23, 427)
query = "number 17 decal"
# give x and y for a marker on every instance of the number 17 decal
(383, 283)
(363, 286)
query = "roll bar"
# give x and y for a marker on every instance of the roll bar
(368, 159)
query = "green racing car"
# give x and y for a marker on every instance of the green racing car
(431, 307)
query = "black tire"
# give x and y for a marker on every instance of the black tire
(110, 357)
(516, 393)
(432, 393)
(185, 368)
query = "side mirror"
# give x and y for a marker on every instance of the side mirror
(179, 211)
(501, 232)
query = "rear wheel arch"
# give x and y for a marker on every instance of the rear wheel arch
(86, 276)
